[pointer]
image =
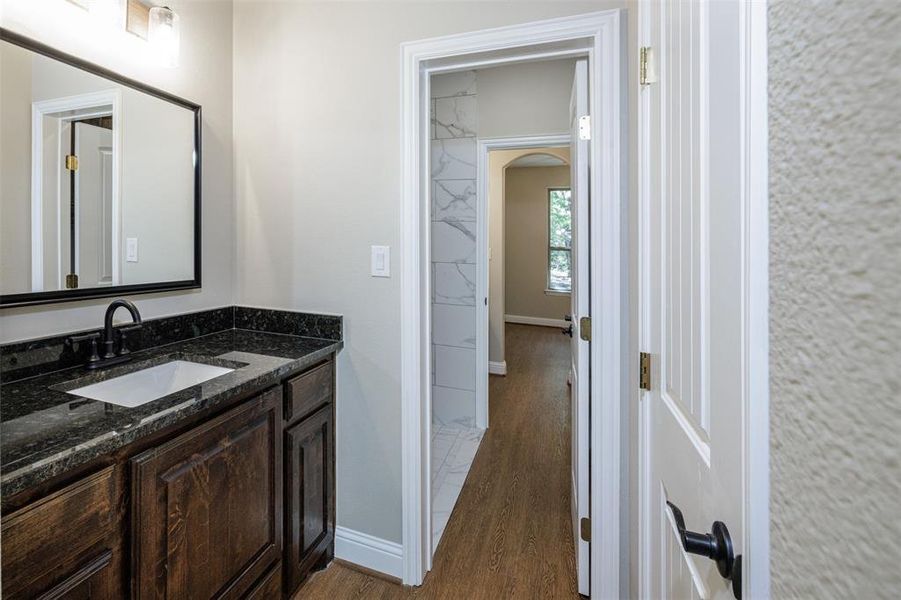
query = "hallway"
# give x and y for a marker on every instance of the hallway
(510, 533)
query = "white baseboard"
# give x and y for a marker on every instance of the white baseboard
(544, 322)
(497, 367)
(369, 551)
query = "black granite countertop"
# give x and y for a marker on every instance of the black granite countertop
(46, 431)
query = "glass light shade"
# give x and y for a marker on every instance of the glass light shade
(163, 34)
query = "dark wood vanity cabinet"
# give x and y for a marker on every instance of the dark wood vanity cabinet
(309, 473)
(68, 544)
(207, 506)
(239, 505)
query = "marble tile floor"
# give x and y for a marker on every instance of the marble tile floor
(453, 449)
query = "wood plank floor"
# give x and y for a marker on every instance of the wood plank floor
(510, 533)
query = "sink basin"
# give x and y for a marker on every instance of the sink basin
(150, 384)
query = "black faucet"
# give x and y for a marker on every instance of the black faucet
(109, 338)
(110, 356)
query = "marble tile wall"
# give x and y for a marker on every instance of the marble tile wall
(453, 450)
(454, 116)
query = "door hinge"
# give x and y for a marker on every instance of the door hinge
(71, 162)
(585, 328)
(647, 71)
(71, 281)
(585, 529)
(585, 127)
(644, 371)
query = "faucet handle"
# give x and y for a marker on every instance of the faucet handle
(92, 337)
(124, 331)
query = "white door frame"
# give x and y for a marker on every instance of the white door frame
(82, 105)
(486, 145)
(755, 292)
(601, 36)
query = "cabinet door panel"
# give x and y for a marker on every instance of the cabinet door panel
(309, 498)
(207, 506)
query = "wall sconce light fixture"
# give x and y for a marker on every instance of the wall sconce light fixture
(163, 34)
(158, 25)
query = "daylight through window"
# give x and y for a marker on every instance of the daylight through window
(560, 235)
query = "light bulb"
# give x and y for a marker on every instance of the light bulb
(163, 35)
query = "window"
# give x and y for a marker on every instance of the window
(560, 235)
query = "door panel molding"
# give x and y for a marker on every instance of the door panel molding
(688, 406)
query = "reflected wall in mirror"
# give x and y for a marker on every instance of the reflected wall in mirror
(99, 189)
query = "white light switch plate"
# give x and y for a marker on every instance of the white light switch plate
(381, 261)
(131, 249)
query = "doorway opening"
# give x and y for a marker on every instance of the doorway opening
(77, 156)
(598, 38)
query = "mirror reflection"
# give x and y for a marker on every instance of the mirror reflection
(97, 182)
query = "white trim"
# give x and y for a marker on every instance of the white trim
(37, 201)
(80, 102)
(550, 292)
(483, 211)
(756, 512)
(497, 367)
(541, 321)
(602, 36)
(369, 551)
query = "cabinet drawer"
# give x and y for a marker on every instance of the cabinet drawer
(62, 541)
(309, 391)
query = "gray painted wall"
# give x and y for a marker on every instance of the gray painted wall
(525, 243)
(835, 176)
(332, 187)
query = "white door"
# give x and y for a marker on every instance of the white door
(580, 308)
(93, 201)
(694, 250)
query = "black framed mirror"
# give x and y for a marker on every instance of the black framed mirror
(99, 181)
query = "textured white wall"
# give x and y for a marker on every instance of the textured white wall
(835, 195)
(204, 75)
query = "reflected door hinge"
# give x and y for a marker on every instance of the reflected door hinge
(585, 127)
(71, 281)
(585, 529)
(647, 70)
(644, 371)
(71, 162)
(585, 328)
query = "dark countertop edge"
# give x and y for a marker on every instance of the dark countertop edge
(13, 483)
(306, 337)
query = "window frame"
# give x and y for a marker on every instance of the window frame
(550, 290)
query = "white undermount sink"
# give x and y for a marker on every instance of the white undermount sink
(150, 384)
